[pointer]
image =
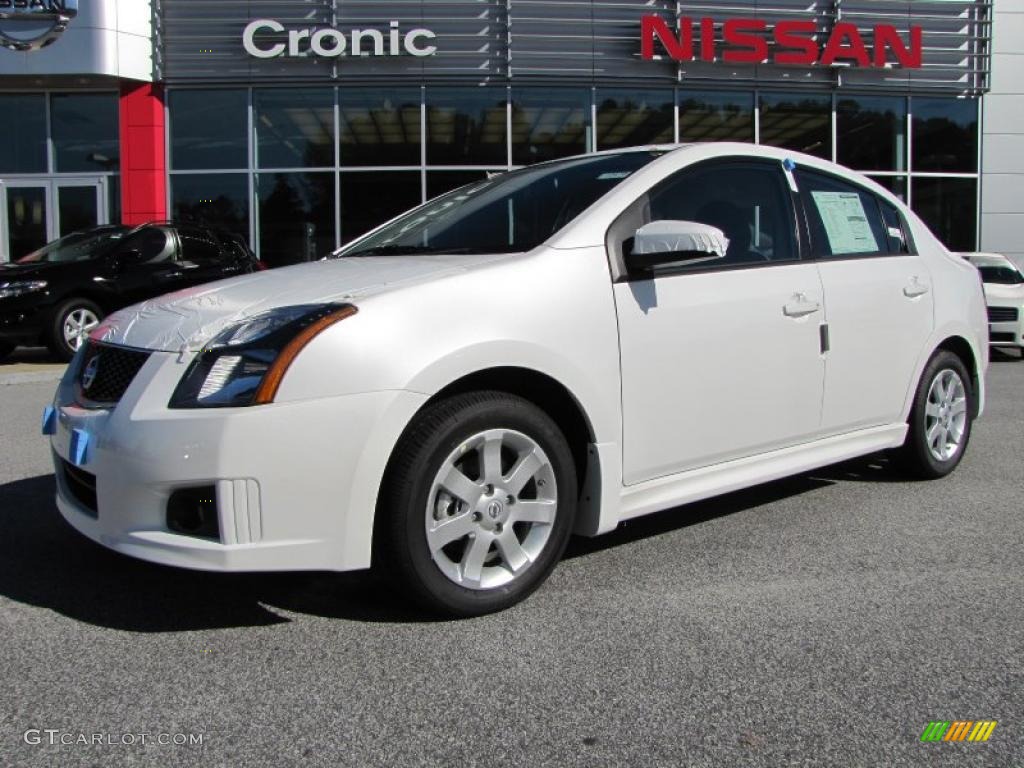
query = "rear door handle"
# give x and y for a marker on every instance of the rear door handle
(915, 288)
(800, 306)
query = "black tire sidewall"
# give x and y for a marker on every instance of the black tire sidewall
(432, 437)
(921, 460)
(58, 346)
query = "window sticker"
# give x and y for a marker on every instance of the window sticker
(846, 222)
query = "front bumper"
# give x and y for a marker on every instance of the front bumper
(295, 482)
(1007, 334)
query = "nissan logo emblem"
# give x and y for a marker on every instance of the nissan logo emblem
(25, 15)
(89, 374)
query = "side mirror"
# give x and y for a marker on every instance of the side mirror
(676, 242)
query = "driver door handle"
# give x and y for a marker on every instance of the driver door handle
(800, 306)
(915, 288)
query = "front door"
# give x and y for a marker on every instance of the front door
(35, 211)
(723, 362)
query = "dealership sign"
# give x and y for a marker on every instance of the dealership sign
(748, 41)
(28, 25)
(267, 39)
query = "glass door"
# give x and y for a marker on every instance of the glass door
(79, 205)
(25, 207)
(35, 211)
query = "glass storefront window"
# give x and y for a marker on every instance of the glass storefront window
(23, 149)
(439, 182)
(209, 128)
(800, 122)
(871, 132)
(630, 118)
(549, 123)
(716, 116)
(466, 126)
(945, 135)
(895, 184)
(369, 198)
(949, 207)
(294, 127)
(86, 133)
(379, 127)
(219, 200)
(296, 221)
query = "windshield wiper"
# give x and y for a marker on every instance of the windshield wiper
(391, 250)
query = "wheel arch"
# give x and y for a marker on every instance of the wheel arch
(554, 399)
(962, 348)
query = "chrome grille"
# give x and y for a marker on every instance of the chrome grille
(1003, 314)
(106, 372)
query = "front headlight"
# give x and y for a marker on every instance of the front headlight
(245, 363)
(21, 287)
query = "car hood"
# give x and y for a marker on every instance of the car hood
(189, 319)
(15, 271)
(1011, 294)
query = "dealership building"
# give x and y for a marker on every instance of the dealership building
(300, 124)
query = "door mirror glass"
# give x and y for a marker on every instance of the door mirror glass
(669, 241)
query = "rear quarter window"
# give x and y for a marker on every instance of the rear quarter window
(845, 220)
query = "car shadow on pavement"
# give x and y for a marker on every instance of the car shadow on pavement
(46, 563)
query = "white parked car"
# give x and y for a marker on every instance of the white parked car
(556, 349)
(1004, 295)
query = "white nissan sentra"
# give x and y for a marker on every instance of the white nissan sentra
(557, 349)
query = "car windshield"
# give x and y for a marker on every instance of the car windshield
(510, 213)
(78, 246)
(1001, 275)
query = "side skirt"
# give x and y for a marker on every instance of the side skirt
(703, 483)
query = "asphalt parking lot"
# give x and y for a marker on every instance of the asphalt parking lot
(821, 620)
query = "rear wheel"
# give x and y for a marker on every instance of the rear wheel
(5, 350)
(72, 323)
(940, 421)
(477, 505)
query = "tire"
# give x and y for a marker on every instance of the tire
(941, 418)
(70, 326)
(6, 349)
(492, 477)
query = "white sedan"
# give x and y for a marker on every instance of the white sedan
(550, 351)
(1004, 295)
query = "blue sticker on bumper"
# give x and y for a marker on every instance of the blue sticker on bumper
(80, 440)
(49, 420)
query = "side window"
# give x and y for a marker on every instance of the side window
(895, 228)
(749, 202)
(844, 219)
(198, 246)
(147, 246)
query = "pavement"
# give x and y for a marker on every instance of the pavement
(823, 620)
(30, 364)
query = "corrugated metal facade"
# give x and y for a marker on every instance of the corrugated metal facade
(586, 41)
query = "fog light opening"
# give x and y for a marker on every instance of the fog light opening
(193, 512)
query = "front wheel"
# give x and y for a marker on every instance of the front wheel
(940, 421)
(72, 323)
(5, 350)
(477, 504)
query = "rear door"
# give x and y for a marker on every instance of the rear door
(878, 301)
(720, 361)
(203, 257)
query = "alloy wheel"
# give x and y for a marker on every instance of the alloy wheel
(945, 415)
(491, 509)
(78, 324)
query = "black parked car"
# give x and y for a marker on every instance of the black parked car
(58, 294)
